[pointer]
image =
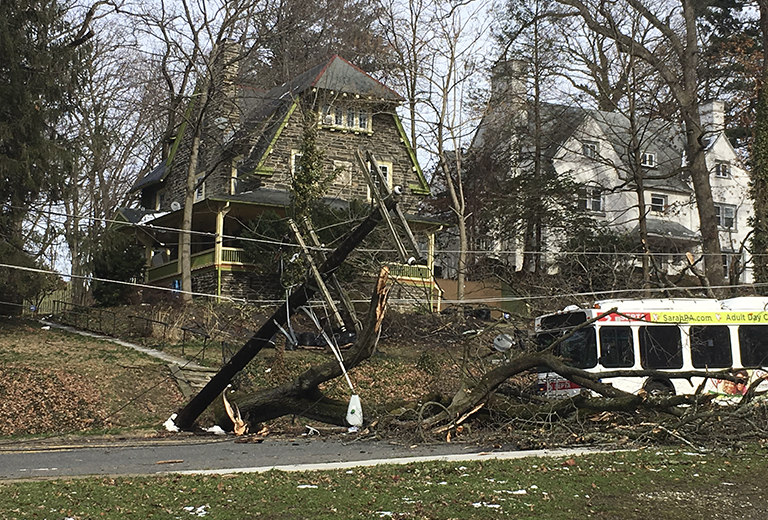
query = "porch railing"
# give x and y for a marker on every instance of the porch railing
(201, 260)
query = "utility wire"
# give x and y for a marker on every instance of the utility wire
(394, 300)
(379, 250)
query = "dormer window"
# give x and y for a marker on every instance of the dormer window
(722, 170)
(346, 118)
(648, 160)
(589, 149)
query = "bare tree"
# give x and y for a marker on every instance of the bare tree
(674, 56)
(112, 131)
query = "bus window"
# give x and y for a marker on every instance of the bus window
(711, 347)
(580, 350)
(754, 345)
(660, 347)
(616, 347)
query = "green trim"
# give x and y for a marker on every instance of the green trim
(180, 134)
(419, 189)
(265, 171)
(260, 167)
(423, 187)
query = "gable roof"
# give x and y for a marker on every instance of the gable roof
(153, 177)
(271, 112)
(267, 111)
(559, 124)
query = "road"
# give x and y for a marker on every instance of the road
(224, 455)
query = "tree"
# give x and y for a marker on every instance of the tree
(296, 35)
(112, 132)
(440, 49)
(674, 56)
(120, 258)
(39, 67)
(760, 162)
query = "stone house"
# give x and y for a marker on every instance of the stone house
(251, 145)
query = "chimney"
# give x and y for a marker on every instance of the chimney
(508, 83)
(712, 114)
(224, 114)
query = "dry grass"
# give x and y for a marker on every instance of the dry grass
(55, 382)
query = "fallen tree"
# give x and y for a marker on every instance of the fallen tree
(302, 396)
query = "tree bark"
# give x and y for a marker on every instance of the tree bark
(263, 337)
(302, 396)
(759, 175)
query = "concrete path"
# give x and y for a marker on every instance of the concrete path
(168, 358)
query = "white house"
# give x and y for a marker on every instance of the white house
(619, 162)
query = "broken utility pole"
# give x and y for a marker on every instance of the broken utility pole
(263, 337)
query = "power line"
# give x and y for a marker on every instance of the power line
(637, 254)
(396, 300)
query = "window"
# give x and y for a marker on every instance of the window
(348, 118)
(722, 169)
(385, 169)
(711, 347)
(616, 350)
(731, 265)
(160, 200)
(660, 347)
(295, 161)
(754, 348)
(233, 185)
(648, 160)
(726, 216)
(199, 187)
(658, 203)
(589, 149)
(590, 199)
(580, 350)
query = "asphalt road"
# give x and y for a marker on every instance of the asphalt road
(224, 455)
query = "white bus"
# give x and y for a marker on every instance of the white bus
(672, 336)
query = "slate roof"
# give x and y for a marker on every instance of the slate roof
(153, 177)
(561, 122)
(668, 229)
(335, 75)
(266, 110)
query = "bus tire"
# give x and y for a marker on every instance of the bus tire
(659, 387)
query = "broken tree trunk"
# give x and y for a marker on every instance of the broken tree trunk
(469, 400)
(263, 337)
(302, 396)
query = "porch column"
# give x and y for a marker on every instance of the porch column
(146, 241)
(218, 244)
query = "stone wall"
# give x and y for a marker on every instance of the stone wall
(339, 146)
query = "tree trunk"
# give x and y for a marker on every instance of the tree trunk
(185, 234)
(302, 396)
(760, 166)
(263, 337)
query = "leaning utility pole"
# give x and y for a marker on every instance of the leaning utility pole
(263, 337)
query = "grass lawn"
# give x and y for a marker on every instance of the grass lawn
(629, 485)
